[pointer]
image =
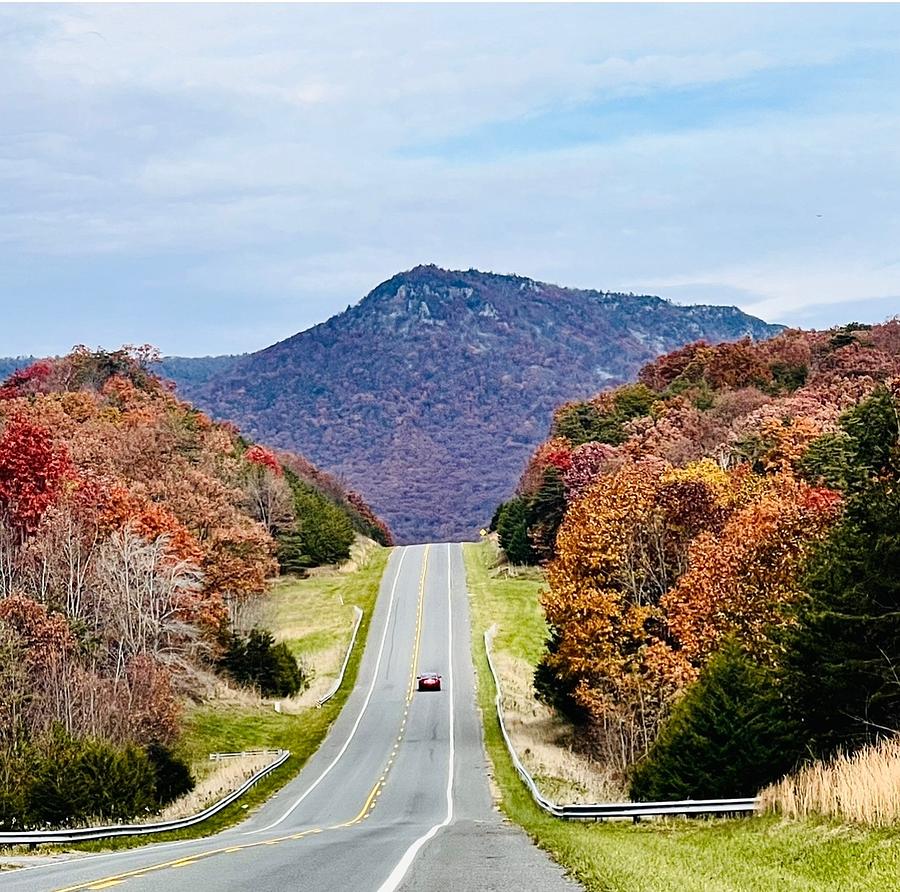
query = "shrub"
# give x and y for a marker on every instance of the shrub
(75, 780)
(256, 660)
(172, 777)
(15, 776)
(118, 783)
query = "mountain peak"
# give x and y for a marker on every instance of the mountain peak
(430, 393)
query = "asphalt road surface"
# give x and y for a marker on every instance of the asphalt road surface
(397, 796)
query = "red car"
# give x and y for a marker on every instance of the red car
(429, 681)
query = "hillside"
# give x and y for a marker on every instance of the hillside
(187, 370)
(722, 540)
(429, 395)
(136, 536)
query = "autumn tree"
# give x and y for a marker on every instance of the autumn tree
(33, 469)
(741, 580)
(267, 495)
(615, 558)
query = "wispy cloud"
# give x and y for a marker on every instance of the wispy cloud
(159, 162)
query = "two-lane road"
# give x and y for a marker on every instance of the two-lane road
(396, 797)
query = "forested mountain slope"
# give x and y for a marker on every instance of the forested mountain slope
(429, 395)
(722, 541)
(134, 532)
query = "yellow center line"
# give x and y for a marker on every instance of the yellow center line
(117, 879)
(178, 862)
(419, 610)
(363, 810)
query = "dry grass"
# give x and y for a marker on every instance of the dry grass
(863, 788)
(546, 743)
(361, 551)
(222, 779)
(508, 598)
(316, 621)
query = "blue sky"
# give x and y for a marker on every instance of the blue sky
(212, 178)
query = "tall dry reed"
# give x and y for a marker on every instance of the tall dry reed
(863, 787)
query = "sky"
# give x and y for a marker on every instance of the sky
(214, 178)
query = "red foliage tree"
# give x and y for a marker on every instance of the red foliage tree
(33, 470)
(259, 455)
(26, 381)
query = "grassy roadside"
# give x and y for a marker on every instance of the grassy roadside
(228, 727)
(736, 855)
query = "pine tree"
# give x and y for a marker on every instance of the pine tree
(544, 514)
(323, 534)
(512, 530)
(842, 668)
(728, 736)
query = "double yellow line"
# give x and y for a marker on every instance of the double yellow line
(419, 611)
(365, 811)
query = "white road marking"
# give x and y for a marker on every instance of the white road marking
(399, 872)
(359, 718)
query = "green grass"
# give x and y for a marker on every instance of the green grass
(733, 855)
(510, 602)
(219, 728)
(315, 614)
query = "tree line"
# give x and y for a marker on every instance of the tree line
(136, 538)
(721, 540)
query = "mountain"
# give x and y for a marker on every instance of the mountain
(429, 395)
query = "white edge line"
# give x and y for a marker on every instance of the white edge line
(359, 718)
(403, 865)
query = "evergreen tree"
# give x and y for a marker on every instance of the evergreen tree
(512, 530)
(291, 554)
(728, 736)
(323, 534)
(587, 423)
(842, 667)
(258, 661)
(544, 514)
(555, 690)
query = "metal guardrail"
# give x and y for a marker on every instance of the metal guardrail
(600, 811)
(340, 679)
(218, 757)
(85, 834)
